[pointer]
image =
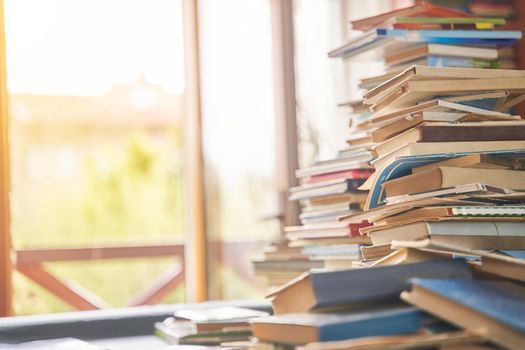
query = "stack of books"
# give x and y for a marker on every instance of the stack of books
(431, 35)
(448, 171)
(445, 210)
(423, 295)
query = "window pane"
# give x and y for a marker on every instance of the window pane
(96, 94)
(239, 138)
(322, 82)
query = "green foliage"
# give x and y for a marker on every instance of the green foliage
(136, 199)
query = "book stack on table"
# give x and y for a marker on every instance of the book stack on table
(447, 208)
(445, 212)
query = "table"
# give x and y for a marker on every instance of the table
(122, 328)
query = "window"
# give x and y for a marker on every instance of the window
(96, 90)
(239, 140)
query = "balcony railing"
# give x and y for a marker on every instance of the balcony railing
(30, 263)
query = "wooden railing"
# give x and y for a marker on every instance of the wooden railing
(30, 263)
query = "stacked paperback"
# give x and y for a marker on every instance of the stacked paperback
(430, 35)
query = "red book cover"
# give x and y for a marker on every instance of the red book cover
(354, 228)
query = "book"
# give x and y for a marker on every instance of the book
(381, 37)
(450, 104)
(444, 177)
(185, 333)
(345, 174)
(415, 91)
(401, 161)
(495, 264)
(477, 161)
(446, 150)
(372, 252)
(439, 212)
(450, 61)
(324, 189)
(218, 315)
(303, 328)
(331, 229)
(343, 165)
(455, 132)
(379, 212)
(471, 234)
(471, 305)
(454, 339)
(346, 288)
(415, 73)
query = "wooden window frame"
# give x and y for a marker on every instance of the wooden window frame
(196, 244)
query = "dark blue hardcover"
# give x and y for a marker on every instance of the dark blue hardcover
(374, 323)
(499, 300)
(350, 287)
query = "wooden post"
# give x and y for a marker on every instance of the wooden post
(285, 116)
(6, 292)
(196, 241)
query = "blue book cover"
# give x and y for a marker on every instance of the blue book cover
(355, 324)
(402, 166)
(381, 37)
(498, 300)
(423, 35)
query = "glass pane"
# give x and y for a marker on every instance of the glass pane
(322, 82)
(239, 139)
(96, 91)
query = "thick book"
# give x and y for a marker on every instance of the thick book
(440, 212)
(455, 132)
(494, 309)
(346, 288)
(477, 161)
(303, 328)
(446, 149)
(324, 189)
(325, 229)
(471, 234)
(445, 177)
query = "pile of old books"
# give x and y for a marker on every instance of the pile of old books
(447, 208)
(209, 326)
(430, 35)
(328, 190)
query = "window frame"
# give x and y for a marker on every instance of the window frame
(196, 243)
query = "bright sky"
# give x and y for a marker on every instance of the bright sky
(83, 47)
